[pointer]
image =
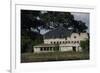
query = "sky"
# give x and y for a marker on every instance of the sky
(83, 17)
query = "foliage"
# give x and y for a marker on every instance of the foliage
(85, 45)
(28, 40)
(50, 20)
(66, 19)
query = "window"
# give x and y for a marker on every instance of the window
(63, 42)
(57, 42)
(74, 36)
(56, 49)
(74, 41)
(44, 49)
(60, 42)
(77, 41)
(41, 49)
(50, 48)
(68, 41)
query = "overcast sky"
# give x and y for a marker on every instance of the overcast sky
(82, 16)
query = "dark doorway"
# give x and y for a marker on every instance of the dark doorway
(74, 49)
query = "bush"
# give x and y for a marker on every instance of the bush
(85, 45)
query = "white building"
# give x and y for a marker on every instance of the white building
(61, 39)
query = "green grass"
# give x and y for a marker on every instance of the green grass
(53, 56)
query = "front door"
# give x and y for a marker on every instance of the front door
(74, 49)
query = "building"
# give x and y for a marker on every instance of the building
(61, 39)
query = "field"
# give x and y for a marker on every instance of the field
(53, 56)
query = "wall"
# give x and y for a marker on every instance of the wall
(68, 46)
(64, 48)
(79, 37)
(36, 50)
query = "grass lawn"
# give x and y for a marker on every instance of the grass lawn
(53, 56)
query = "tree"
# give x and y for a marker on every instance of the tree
(85, 45)
(28, 37)
(66, 19)
(56, 19)
(29, 19)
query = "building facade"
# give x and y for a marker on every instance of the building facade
(54, 41)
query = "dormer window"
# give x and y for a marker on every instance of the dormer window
(63, 42)
(65, 38)
(57, 42)
(72, 41)
(54, 42)
(74, 36)
(60, 42)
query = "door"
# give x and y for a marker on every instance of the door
(74, 49)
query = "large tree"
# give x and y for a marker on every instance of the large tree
(28, 37)
(66, 19)
(49, 20)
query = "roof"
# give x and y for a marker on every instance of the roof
(60, 32)
(46, 45)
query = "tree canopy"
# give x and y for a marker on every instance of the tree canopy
(50, 20)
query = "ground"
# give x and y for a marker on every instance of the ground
(53, 56)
